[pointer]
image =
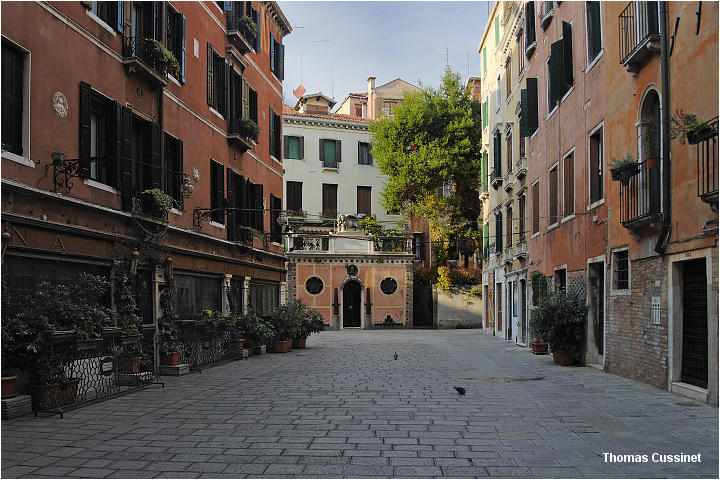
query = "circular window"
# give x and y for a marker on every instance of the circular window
(314, 285)
(352, 270)
(388, 286)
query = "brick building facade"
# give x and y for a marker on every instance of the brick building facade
(97, 115)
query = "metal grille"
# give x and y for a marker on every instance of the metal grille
(621, 270)
(636, 23)
(203, 345)
(707, 160)
(695, 347)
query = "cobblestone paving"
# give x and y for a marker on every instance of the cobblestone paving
(344, 408)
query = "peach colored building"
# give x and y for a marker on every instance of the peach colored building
(566, 97)
(382, 99)
(662, 315)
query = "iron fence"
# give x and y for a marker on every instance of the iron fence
(203, 345)
(144, 49)
(707, 158)
(640, 194)
(637, 22)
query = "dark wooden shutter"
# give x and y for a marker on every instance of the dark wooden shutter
(271, 137)
(219, 192)
(253, 110)
(302, 148)
(182, 43)
(179, 177)
(322, 152)
(294, 196)
(524, 131)
(115, 145)
(567, 55)
(498, 232)
(360, 159)
(119, 17)
(369, 154)
(222, 94)
(338, 153)
(127, 182)
(595, 41)
(273, 57)
(532, 104)
(246, 202)
(363, 200)
(210, 77)
(259, 208)
(85, 94)
(13, 99)
(245, 99)
(231, 214)
(258, 39)
(155, 160)
(278, 133)
(281, 61)
(286, 146)
(557, 81)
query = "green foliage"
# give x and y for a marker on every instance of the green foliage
(435, 135)
(161, 200)
(165, 56)
(560, 321)
(682, 124)
(476, 291)
(371, 226)
(255, 329)
(295, 320)
(624, 168)
(250, 25)
(248, 128)
(449, 277)
(168, 321)
(425, 276)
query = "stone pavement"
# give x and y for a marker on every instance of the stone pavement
(344, 408)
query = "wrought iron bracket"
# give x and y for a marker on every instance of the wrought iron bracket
(65, 170)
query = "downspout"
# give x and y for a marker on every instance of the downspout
(665, 128)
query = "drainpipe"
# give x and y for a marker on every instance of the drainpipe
(665, 128)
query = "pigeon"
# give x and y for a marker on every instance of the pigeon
(395, 356)
(460, 390)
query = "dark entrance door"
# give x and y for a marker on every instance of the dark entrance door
(351, 304)
(694, 336)
(597, 304)
(422, 306)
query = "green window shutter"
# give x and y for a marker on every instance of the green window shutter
(484, 172)
(567, 55)
(524, 131)
(532, 104)
(485, 114)
(497, 31)
(557, 84)
(594, 29)
(484, 60)
(271, 137)
(338, 152)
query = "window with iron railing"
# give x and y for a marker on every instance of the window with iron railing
(638, 24)
(707, 162)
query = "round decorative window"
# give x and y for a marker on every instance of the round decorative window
(314, 285)
(352, 270)
(388, 286)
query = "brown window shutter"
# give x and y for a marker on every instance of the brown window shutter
(85, 95)
(210, 88)
(302, 148)
(338, 152)
(322, 152)
(360, 153)
(286, 146)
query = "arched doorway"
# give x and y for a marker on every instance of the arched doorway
(351, 304)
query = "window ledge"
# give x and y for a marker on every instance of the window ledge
(552, 227)
(101, 22)
(331, 169)
(551, 112)
(620, 293)
(176, 211)
(536, 234)
(596, 204)
(216, 112)
(99, 185)
(218, 225)
(594, 61)
(567, 94)
(568, 218)
(174, 80)
(18, 159)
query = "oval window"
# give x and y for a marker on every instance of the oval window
(388, 286)
(314, 285)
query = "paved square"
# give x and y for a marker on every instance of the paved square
(344, 408)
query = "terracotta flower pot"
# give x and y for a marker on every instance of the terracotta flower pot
(299, 342)
(170, 359)
(652, 161)
(8, 386)
(563, 357)
(539, 348)
(45, 397)
(239, 343)
(131, 364)
(282, 346)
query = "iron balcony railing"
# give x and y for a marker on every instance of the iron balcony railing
(393, 244)
(640, 196)
(707, 163)
(638, 22)
(145, 50)
(244, 26)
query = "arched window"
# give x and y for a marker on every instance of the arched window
(648, 178)
(650, 127)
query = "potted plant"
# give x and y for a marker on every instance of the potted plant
(164, 56)
(568, 311)
(311, 322)
(157, 203)
(539, 329)
(285, 320)
(257, 331)
(624, 169)
(687, 127)
(168, 328)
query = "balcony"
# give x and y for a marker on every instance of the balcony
(508, 255)
(547, 10)
(143, 206)
(393, 244)
(639, 34)
(530, 37)
(495, 179)
(242, 33)
(310, 243)
(521, 169)
(140, 55)
(521, 249)
(640, 198)
(243, 132)
(707, 162)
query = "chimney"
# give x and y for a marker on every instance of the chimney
(371, 98)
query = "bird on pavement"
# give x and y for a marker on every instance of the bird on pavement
(460, 390)
(395, 356)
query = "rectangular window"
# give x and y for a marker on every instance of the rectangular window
(174, 168)
(553, 195)
(508, 78)
(539, 285)
(277, 58)
(561, 280)
(497, 155)
(521, 218)
(498, 232)
(363, 201)
(13, 97)
(569, 185)
(217, 191)
(484, 60)
(484, 173)
(594, 33)
(293, 198)
(497, 31)
(364, 155)
(536, 208)
(596, 166)
(485, 113)
(294, 147)
(520, 49)
(358, 110)
(486, 240)
(532, 106)
(275, 124)
(389, 108)
(275, 228)
(216, 80)
(99, 134)
(560, 67)
(621, 270)
(329, 200)
(509, 150)
(509, 228)
(196, 293)
(175, 38)
(419, 246)
(107, 12)
(330, 153)
(521, 144)
(498, 93)
(263, 298)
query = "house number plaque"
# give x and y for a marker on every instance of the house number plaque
(107, 366)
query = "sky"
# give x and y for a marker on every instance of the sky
(341, 44)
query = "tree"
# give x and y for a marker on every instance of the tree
(435, 137)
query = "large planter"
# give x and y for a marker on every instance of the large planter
(563, 357)
(170, 358)
(697, 135)
(111, 332)
(299, 342)
(89, 347)
(282, 346)
(131, 364)
(46, 397)
(259, 349)
(8, 386)
(539, 348)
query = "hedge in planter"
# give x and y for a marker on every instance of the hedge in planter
(568, 313)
